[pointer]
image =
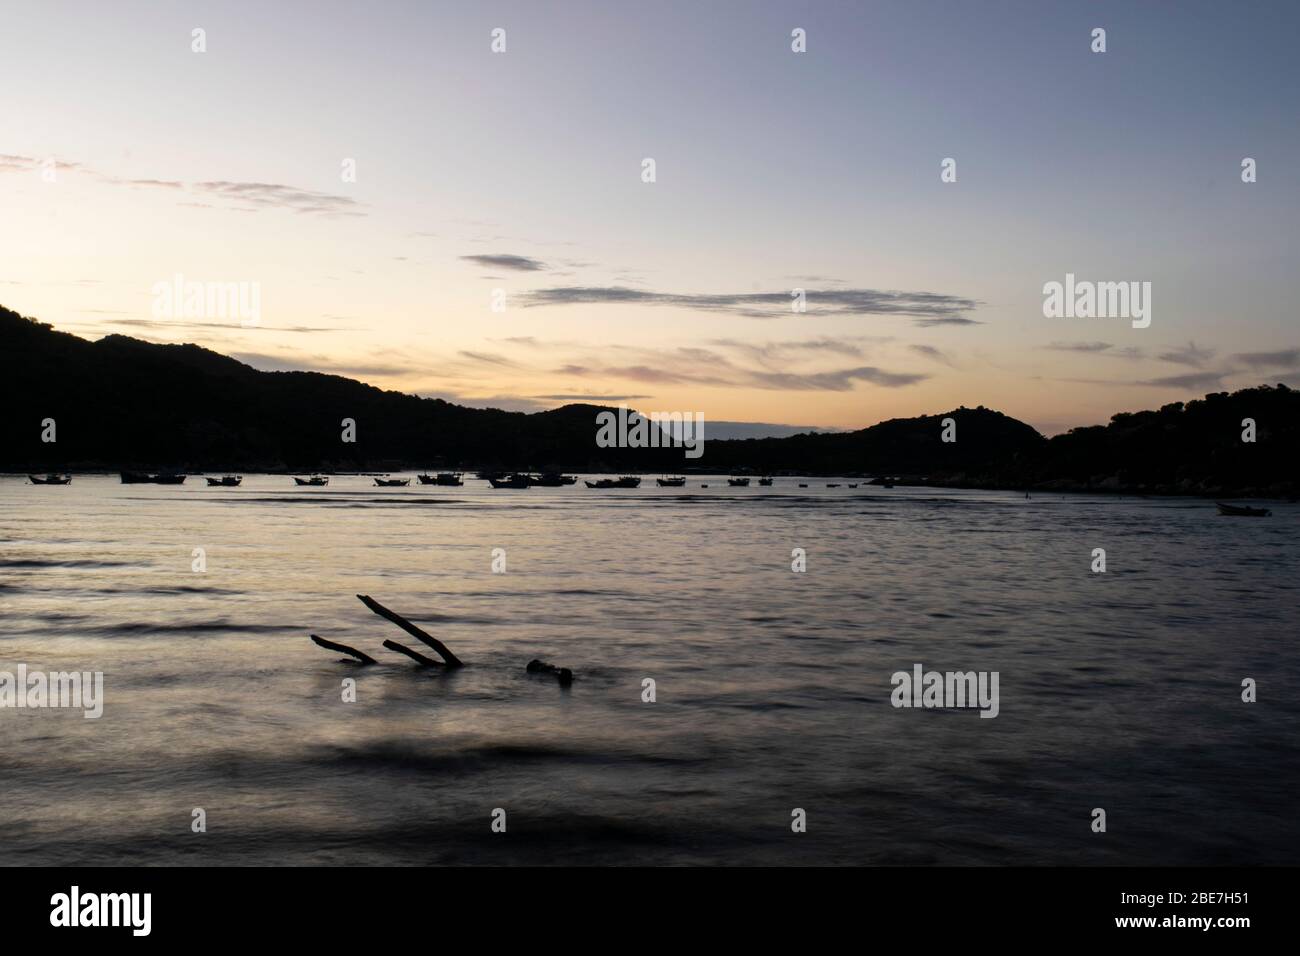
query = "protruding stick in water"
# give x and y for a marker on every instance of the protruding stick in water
(344, 649)
(451, 659)
(413, 655)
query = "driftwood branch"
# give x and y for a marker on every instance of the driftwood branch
(344, 649)
(451, 659)
(413, 655)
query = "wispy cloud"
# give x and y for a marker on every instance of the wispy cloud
(1098, 348)
(173, 324)
(507, 261)
(946, 320)
(930, 352)
(23, 164)
(487, 358)
(157, 183)
(1283, 359)
(838, 380)
(1191, 380)
(679, 370)
(650, 375)
(245, 196)
(770, 353)
(792, 365)
(926, 308)
(1079, 346)
(1188, 354)
(1208, 374)
(276, 196)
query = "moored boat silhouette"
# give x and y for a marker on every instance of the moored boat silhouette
(551, 479)
(627, 481)
(146, 478)
(1241, 511)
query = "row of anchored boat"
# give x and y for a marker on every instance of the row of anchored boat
(445, 478)
(506, 480)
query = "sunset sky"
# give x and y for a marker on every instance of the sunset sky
(776, 170)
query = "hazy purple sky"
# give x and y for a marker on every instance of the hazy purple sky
(521, 171)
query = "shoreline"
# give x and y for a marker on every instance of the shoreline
(1052, 486)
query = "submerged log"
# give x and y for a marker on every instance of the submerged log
(541, 667)
(412, 654)
(344, 649)
(451, 659)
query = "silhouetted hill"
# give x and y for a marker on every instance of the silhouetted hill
(120, 402)
(988, 445)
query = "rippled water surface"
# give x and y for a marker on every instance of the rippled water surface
(1119, 690)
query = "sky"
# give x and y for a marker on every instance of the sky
(499, 246)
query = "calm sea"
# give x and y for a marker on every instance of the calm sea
(1120, 690)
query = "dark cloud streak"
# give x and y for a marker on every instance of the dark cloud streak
(507, 261)
(927, 308)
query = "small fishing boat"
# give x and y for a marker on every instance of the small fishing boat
(1241, 511)
(678, 482)
(50, 479)
(315, 481)
(627, 481)
(551, 479)
(738, 482)
(830, 484)
(803, 484)
(765, 482)
(225, 481)
(448, 478)
(511, 481)
(853, 486)
(144, 478)
(392, 482)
